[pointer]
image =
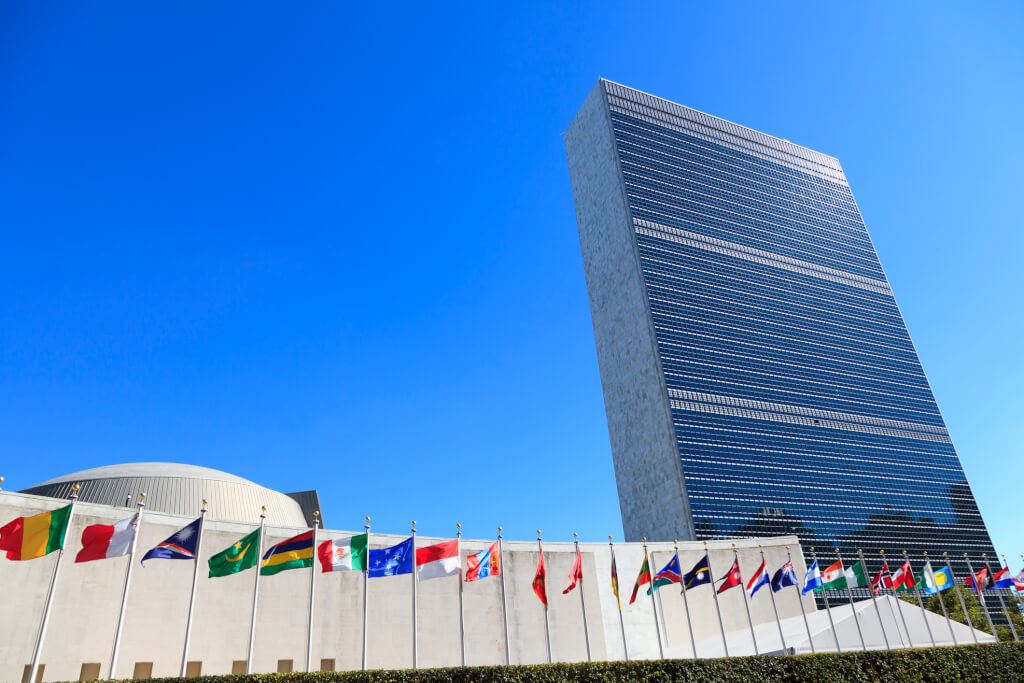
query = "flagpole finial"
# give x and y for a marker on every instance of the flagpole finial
(811, 548)
(881, 552)
(924, 552)
(458, 526)
(574, 536)
(965, 554)
(644, 539)
(609, 539)
(367, 519)
(945, 554)
(984, 554)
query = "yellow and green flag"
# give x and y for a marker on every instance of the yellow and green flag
(240, 556)
(27, 538)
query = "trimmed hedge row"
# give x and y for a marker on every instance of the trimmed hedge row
(996, 662)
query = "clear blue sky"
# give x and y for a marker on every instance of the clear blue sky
(322, 245)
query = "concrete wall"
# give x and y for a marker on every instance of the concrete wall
(88, 597)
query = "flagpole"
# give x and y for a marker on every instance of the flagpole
(49, 595)
(127, 581)
(462, 606)
(960, 597)
(942, 601)
(746, 600)
(415, 610)
(800, 599)
(192, 596)
(920, 604)
(828, 608)
(686, 604)
(654, 603)
(256, 589)
(978, 589)
(312, 590)
(1008, 619)
(849, 594)
(618, 600)
(775, 608)
(547, 622)
(366, 586)
(583, 603)
(874, 597)
(714, 594)
(504, 606)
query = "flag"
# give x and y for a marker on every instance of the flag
(436, 561)
(979, 581)
(391, 561)
(699, 575)
(855, 576)
(539, 588)
(576, 573)
(760, 578)
(615, 582)
(668, 574)
(294, 553)
(179, 546)
(343, 554)
(237, 557)
(785, 576)
(27, 538)
(927, 582)
(100, 541)
(1019, 580)
(903, 579)
(483, 564)
(643, 577)
(834, 578)
(943, 578)
(883, 579)
(812, 579)
(733, 578)
(1003, 579)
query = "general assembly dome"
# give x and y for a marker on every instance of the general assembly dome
(180, 489)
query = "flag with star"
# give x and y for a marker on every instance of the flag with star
(238, 557)
(179, 546)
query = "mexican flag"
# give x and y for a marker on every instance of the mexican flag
(27, 538)
(855, 576)
(238, 557)
(834, 577)
(343, 554)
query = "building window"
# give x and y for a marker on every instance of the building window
(194, 669)
(28, 669)
(238, 667)
(327, 664)
(90, 671)
(284, 666)
(143, 670)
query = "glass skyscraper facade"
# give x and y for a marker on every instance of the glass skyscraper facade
(748, 337)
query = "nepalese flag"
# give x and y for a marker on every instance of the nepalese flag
(398, 559)
(180, 546)
(812, 579)
(785, 576)
(699, 575)
(294, 553)
(733, 578)
(483, 564)
(759, 579)
(668, 574)
(100, 541)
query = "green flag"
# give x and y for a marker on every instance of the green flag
(855, 576)
(238, 557)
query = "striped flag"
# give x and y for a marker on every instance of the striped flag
(643, 577)
(27, 538)
(295, 553)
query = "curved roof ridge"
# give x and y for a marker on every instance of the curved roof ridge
(148, 469)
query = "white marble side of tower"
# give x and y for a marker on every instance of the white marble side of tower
(652, 494)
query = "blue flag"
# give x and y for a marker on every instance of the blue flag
(398, 559)
(699, 575)
(812, 580)
(784, 577)
(180, 546)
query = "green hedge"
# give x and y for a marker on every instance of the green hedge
(997, 662)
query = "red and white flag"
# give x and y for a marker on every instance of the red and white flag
(883, 579)
(577, 572)
(904, 576)
(733, 578)
(759, 579)
(439, 560)
(100, 541)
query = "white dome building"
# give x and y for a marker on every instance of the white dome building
(180, 489)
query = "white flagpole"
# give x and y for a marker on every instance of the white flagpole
(312, 591)
(800, 599)
(978, 589)
(775, 608)
(960, 597)
(49, 595)
(547, 622)
(127, 580)
(686, 603)
(899, 607)
(415, 612)
(924, 613)
(504, 606)
(366, 586)
(618, 600)
(654, 603)
(828, 608)
(874, 598)
(714, 594)
(849, 594)
(746, 600)
(462, 606)
(1003, 603)
(583, 603)
(256, 589)
(942, 601)
(192, 596)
